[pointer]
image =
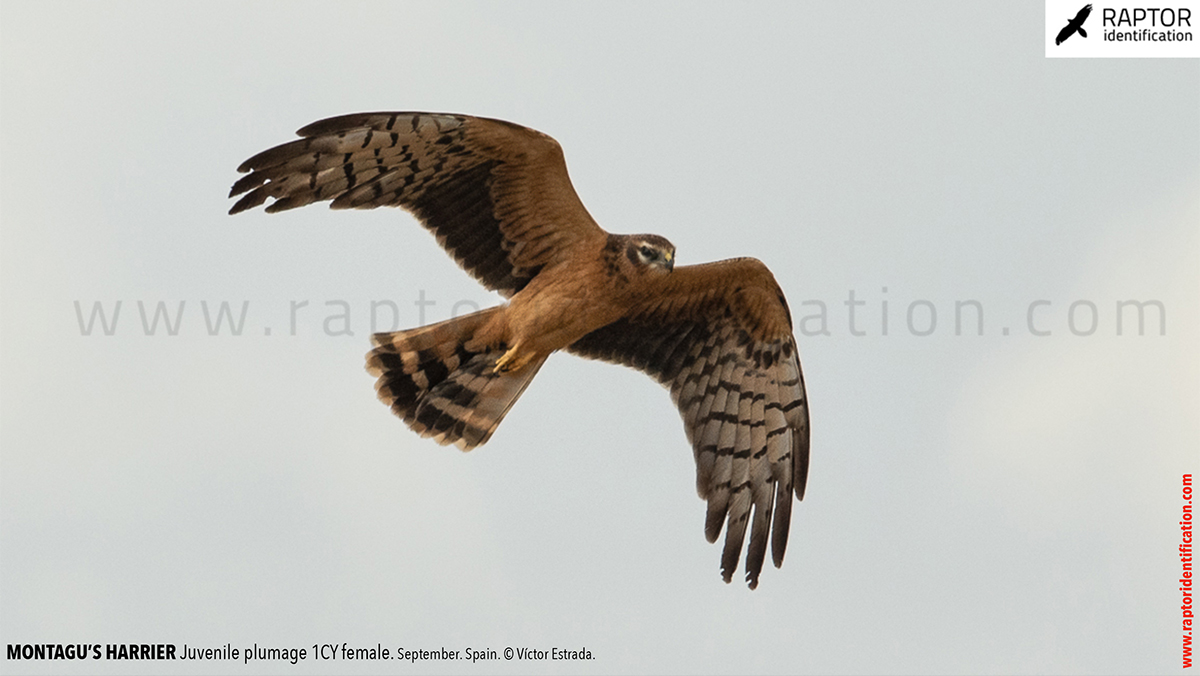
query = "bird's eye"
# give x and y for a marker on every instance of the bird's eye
(649, 253)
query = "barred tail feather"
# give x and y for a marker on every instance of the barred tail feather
(441, 388)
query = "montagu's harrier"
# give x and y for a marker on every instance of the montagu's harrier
(497, 197)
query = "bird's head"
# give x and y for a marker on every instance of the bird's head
(651, 252)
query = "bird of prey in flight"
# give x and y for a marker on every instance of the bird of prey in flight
(498, 199)
(1074, 25)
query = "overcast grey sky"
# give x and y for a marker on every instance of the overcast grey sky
(1004, 502)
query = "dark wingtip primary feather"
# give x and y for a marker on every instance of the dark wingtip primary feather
(343, 122)
(714, 519)
(800, 478)
(782, 520)
(246, 183)
(250, 201)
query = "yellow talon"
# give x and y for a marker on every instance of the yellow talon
(512, 360)
(502, 364)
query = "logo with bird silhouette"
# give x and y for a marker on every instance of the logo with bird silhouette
(1074, 25)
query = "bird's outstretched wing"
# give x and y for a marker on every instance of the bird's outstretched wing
(719, 336)
(1080, 18)
(495, 194)
(1064, 33)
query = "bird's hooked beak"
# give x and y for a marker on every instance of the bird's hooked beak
(670, 256)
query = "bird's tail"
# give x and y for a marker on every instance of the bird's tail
(441, 388)
(1082, 33)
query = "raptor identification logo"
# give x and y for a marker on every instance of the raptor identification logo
(1077, 29)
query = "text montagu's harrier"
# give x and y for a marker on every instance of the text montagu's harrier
(497, 197)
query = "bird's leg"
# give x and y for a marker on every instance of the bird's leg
(514, 359)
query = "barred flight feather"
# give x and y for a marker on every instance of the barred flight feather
(441, 388)
(745, 413)
(464, 178)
